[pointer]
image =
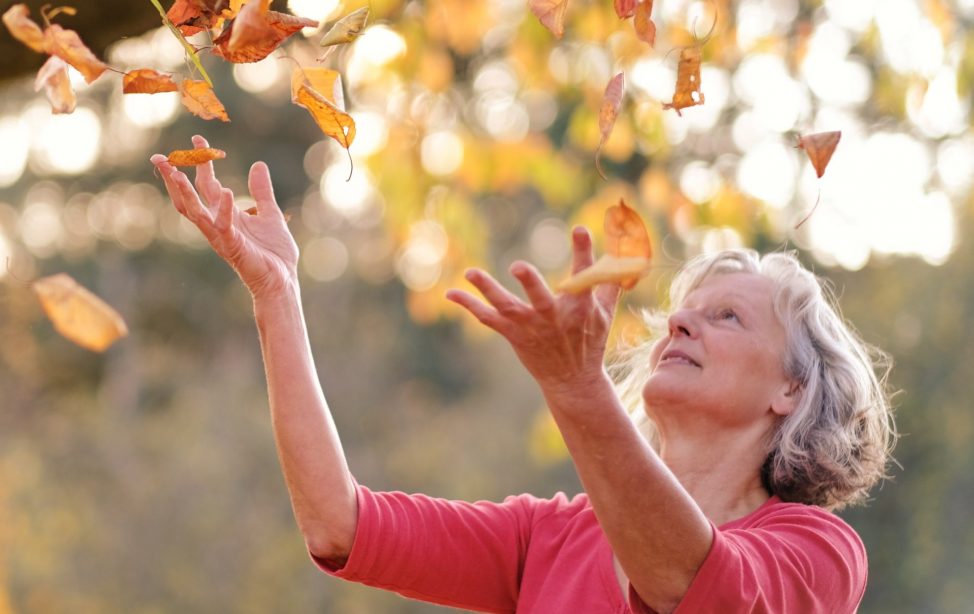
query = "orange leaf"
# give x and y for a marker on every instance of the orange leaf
(23, 28)
(192, 157)
(333, 121)
(262, 33)
(551, 13)
(625, 8)
(198, 97)
(78, 314)
(611, 103)
(67, 45)
(53, 77)
(688, 92)
(607, 269)
(325, 81)
(626, 236)
(147, 81)
(643, 22)
(819, 147)
(194, 16)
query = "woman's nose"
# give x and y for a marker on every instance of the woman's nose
(682, 322)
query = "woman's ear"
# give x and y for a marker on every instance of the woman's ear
(786, 398)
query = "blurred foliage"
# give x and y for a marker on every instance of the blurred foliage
(145, 480)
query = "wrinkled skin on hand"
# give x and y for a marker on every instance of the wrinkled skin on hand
(560, 338)
(260, 248)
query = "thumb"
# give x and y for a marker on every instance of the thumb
(261, 189)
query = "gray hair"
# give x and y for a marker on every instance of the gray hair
(836, 444)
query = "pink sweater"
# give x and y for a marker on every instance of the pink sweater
(530, 555)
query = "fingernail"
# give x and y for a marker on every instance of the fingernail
(157, 158)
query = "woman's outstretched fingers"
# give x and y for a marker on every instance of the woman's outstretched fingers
(261, 188)
(534, 287)
(486, 315)
(582, 256)
(497, 295)
(224, 214)
(207, 184)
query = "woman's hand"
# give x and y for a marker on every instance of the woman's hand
(259, 247)
(560, 339)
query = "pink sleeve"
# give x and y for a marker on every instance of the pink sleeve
(465, 555)
(802, 559)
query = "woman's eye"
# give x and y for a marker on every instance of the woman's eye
(727, 314)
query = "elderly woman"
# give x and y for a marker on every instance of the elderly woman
(765, 413)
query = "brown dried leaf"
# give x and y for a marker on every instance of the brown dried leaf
(819, 147)
(147, 81)
(688, 92)
(607, 269)
(263, 32)
(53, 77)
(551, 14)
(611, 103)
(78, 314)
(643, 22)
(67, 45)
(199, 99)
(625, 8)
(23, 28)
(192, 157)
(333, 121)
(346, 29)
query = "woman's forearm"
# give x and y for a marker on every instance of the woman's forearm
(656, 530)
(315, 469)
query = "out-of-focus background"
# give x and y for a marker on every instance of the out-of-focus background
(145, 480)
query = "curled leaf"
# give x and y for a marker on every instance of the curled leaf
(258, 33)
(325, 81)
(346, 29)
(53, 77)
(819, 148)
(147, 81)
(78, 314)
(192, 157)
(643, 22)
(688, 92)
(199, 99)
(67, 45)
(23, 28)
(625, 8)
(551, 14)
(607, 269)
(626, 237)
(334, 122)
(611, 103)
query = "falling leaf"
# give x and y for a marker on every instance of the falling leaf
(194, 16)
(625, 8)
(53, 77)
(611, 103)
(190, 50)
(198, 97)
(325, 81)
(192, 157)
(687, 81)
(346, 29)
(67, 45)
(607, 269)
(819, 147)
(147, 81)
(643, 23)
(263, 32)
(626, 237)
(78, 314)
(551, 14)
(23, 28)
(333, 121)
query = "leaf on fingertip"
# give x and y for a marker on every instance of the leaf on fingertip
(346, 29)
(608, 113)
(607, 269)
(147, 81)
(53, 78)
(687, 92)
(78, 314)
(643, 23)
(819, 148)
(198, 97)
(551, 14)
(192, 157)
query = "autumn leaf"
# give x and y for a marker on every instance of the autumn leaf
(198, 97)
(325, 81)
(23, 28)
(688, 92)
(611, 103)
(147, 81)
(346, 29)
(625, 8)
(77, 314)
(261, 32)
(607, 269)
(194, 16)
(819, 148)
(643, 22)
(334, 122)
(53, 77)
(67, 45)
(551, 14)
(192, 157)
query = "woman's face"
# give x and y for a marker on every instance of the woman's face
(723, 357)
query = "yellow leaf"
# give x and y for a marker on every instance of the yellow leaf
(346, 29)
(688, 92)
(607, 269)
(198, 97)
(325, 81)
(192, 157)
(333, 121)
(77, 314)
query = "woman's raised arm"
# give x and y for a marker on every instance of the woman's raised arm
(262, 251)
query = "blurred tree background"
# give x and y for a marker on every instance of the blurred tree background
(145, 480)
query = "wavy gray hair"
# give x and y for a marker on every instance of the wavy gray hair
(836, 444)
